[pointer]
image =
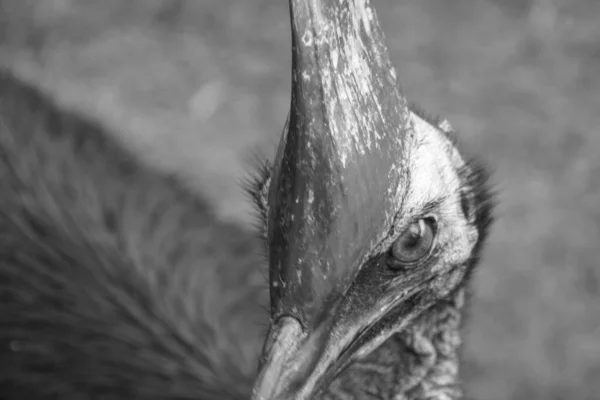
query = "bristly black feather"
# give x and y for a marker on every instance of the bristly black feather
(256, 186)
(115, 281)
(476, 179)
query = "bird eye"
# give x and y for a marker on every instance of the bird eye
(415, 242)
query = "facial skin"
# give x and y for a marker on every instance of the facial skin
(358, 184)
(385, 295)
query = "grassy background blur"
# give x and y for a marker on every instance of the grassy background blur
(197, 86)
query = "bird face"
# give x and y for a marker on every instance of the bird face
(320, 323)
(371, 213)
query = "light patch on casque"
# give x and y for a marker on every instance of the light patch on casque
(352, 78)
(348, 74)
(307, 38)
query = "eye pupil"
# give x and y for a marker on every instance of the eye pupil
(415, 243)
(413, 240)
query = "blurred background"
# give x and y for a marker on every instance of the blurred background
(197, 87)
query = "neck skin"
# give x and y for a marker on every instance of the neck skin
(421, 362)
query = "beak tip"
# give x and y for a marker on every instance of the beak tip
(279, 354)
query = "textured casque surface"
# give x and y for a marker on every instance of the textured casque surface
(340, 167)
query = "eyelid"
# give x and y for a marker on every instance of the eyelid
(398, 227)
(416, 220)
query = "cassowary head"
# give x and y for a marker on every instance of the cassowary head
(371, 213)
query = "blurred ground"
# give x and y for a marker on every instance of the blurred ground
(197, 86)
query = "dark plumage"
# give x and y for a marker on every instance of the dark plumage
(115, 281)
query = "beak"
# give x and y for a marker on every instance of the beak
(298, 365)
